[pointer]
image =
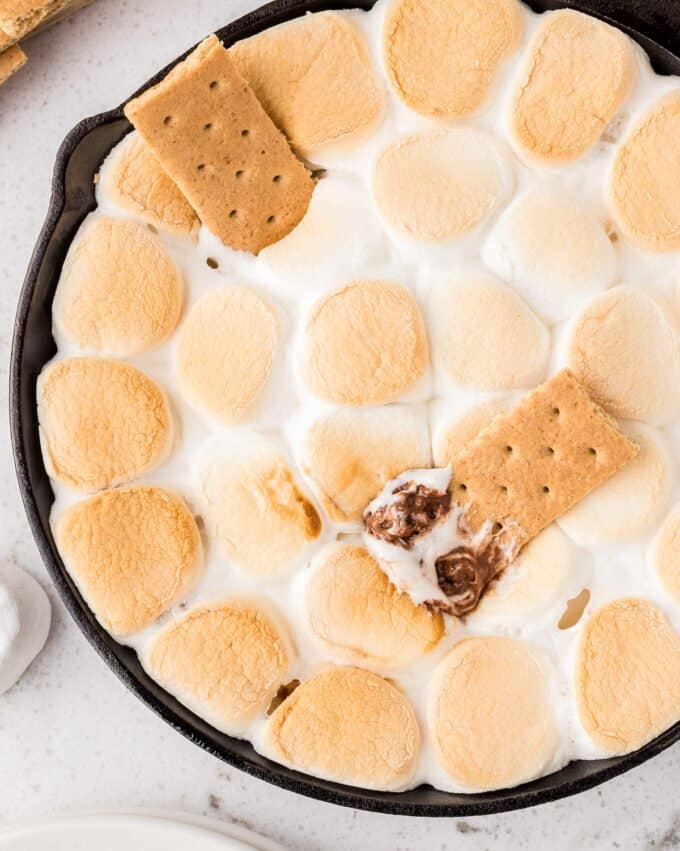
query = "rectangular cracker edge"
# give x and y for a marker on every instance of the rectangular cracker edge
(533, 463)
(214, 139)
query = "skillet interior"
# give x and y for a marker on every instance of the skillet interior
(78, 159)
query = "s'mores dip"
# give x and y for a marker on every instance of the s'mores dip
(364, 421)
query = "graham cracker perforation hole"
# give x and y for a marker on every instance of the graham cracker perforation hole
(245, 133)
(214, 84)
(546, 489)
(207, 126)
(200, 167)
(592, 451)
(167, 120)
(233, 214)
(277, 178)
(239, 174)
(271, 220)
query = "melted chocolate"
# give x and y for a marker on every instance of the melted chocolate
(465, 572)
(415, 511)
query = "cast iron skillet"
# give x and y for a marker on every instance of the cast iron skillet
(72, 199)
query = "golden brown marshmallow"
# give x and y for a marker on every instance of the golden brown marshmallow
(102, 422)
(347, 725)
(133, 552)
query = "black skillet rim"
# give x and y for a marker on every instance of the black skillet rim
(424, 801)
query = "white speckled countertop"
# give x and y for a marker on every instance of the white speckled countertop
(71, 736)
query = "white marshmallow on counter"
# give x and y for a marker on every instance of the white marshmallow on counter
(24, 623)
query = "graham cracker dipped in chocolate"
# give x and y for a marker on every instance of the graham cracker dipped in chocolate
(518, 475)
(521, 473)
(211, 135)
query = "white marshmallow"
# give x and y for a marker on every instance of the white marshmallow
(24, 623)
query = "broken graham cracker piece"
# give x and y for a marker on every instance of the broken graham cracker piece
(11, 60)
(533, 463)
(20, 17)
(212, 136)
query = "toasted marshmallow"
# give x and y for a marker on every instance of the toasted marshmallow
(531, 584)
(665, 553)
(314, 77)
(629, 503)
(490, 713)
(119, 293)
(225, 350)
(451, 432)
(133, 552)
(102, 423)
(470, 40)
(134, 180)
(645, 178)
(364, 344)
(627, 676)
(253, 506)
(316, 253)
(357, 615)
(349, 455)
(347, 725)
(560, 109)
(224, 661)
(628, 356)
(483, 335)
(554, 252)
(438, 185)
(24, 623)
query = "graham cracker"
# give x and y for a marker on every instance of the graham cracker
(20, 17)
(59, 14)
(533, 463)
(10, 61)
(6, 40)
(212, 136)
